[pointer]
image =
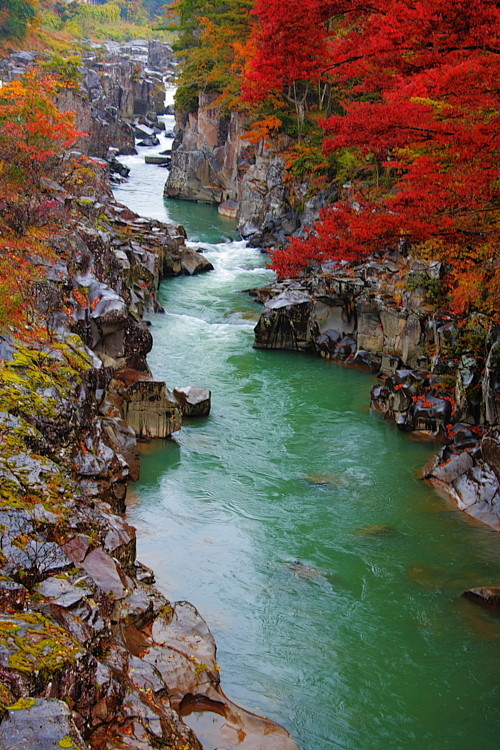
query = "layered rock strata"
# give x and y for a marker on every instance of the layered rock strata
(213, 163)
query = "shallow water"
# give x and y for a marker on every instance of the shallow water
(294, 519)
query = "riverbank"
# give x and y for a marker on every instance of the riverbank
(89, 647)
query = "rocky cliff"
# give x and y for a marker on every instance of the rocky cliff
(91, 654)
(122, 86)
(440, 375)
(213, 163)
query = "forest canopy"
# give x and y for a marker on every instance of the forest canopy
(395, 104)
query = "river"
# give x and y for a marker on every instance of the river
(294, 519)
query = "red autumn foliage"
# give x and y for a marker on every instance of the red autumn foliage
(418, 103)
(33, 137)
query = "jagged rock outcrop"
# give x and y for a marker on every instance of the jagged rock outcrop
(212, 163)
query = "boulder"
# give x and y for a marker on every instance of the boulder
(194, 401)
(150, 141)
(287, 323)
(229, 209)
(41, 723)
(485, 596)
(185, 262)
(160, 160)
(150, 409)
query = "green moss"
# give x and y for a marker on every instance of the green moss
(21, 704)
(66, 742)
(36, 384)
(36, 644)
(6, 697)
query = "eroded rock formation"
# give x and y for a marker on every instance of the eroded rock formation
(212, 163)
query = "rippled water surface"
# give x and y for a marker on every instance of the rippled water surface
(295, 521)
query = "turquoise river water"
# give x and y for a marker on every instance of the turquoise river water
(366, 644)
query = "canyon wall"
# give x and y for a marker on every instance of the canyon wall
(213, 163)
(91, 653)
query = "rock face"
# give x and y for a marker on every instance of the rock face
(212, 163)
(194, 401)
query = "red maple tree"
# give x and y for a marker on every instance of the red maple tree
(417, 100)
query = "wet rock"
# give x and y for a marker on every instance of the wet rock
(116, 167)
(229, 209)
(286, 323)
(106, 573)
(63, 591)
(328, 340)
(41, 723)
(150, 409)
(151, 140)
(158, 160)
(431, 414)
(485, 596)
(367, 361)
(194, 401)
(185, 262)
(470, 482)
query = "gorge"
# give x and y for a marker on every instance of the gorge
(293, 517)
(296, 521)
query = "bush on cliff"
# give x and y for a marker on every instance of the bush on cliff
(15, 16)
(33, 137)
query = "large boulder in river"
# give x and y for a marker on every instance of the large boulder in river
(150, 408)
(185, 262)
(194, 401)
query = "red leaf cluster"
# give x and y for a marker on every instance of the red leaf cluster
(417, 86)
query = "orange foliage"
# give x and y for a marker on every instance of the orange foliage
(262, 129)
(33, 131)
(33, 137)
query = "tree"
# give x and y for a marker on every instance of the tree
(417, 106)
(211, 45)
(33, 136)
